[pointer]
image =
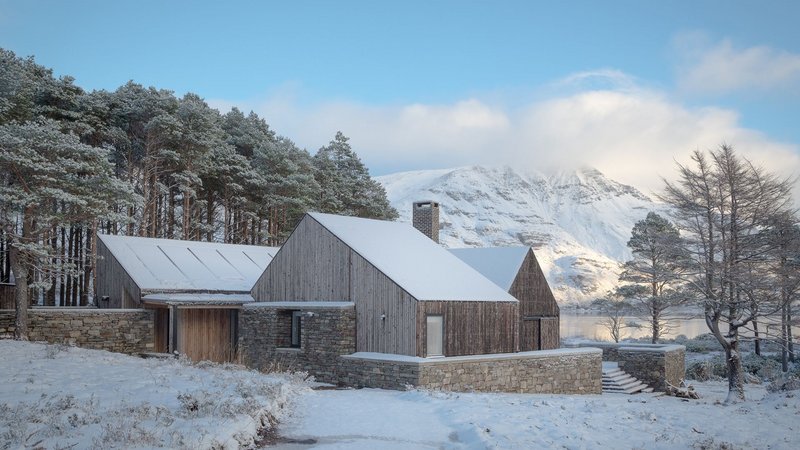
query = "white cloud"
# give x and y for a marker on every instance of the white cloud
(633, 134)
(720, 68)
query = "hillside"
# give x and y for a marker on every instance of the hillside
(577, 221)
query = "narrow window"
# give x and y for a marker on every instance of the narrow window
(296, 328)
(435, 335)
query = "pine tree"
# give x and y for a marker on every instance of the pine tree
(49, 179)
(287, 188)
(345, 184)
(653, 275)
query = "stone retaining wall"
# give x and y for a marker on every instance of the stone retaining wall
(653, 364)
(563, 371)
(328, 331)
(116, 330)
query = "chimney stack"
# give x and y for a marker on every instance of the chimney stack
(425, 218)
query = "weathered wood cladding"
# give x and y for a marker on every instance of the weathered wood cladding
(114, 282)
(531, 289)
(161, 329)
(385, 313)
(313, 265)
(7, 293)
(539, 333)
(538, 309)
(551, 338)
(471, 328)
(207, 334)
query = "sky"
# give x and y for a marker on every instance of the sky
(628, 87)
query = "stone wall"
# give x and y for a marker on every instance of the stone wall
(564, 371)
(328, 331)
(116, 330)
(653, 364)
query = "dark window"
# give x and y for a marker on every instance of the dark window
(297, 331)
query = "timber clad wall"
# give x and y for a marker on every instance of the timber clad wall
(314, 266)
(376, 295)
(538, 309)
(471, 328)
(116, 330)
(7, 292)
(114, 282)
(531, 289)
(206, 334)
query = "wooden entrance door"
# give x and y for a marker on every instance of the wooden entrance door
(207, 334)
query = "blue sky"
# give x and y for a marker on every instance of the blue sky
(626, 86)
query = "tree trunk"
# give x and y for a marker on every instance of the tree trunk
(784, 340)
(61, 271)
(790, 347)
(20, 271)
(186, 216)
(757, 338)
(735, 373)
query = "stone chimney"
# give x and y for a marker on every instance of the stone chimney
(426, 218)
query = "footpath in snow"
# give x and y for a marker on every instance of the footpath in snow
(64, 397)
(372, 419)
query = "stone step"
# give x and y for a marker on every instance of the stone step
(619, 378)
(617, 381)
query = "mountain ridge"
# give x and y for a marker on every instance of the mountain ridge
(578, 221)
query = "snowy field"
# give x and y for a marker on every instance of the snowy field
(58, 397)
(378, 419)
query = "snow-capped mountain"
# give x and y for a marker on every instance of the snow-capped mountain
(578, 222)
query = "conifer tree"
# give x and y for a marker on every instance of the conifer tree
(49, 179)
(345, 184)
(653, 275)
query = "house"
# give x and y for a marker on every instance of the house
(411, 296)
(514, 269)
(517, 270)
(194, 288)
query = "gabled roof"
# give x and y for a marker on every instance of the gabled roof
(418, 265)
(499, 264)
(173, 265)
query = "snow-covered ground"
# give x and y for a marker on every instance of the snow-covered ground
(62, 397)
(372, 418)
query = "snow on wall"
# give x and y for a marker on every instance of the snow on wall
(170, 265)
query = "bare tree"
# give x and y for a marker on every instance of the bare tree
(614, 308)
(723, 205)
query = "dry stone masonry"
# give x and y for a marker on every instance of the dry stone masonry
(565, 371)
(653, 364)
(115, 330)
(328, 331)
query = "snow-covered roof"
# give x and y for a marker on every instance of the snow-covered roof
(499, 264)
(198, 299)
(173, 265)
(420, 266)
